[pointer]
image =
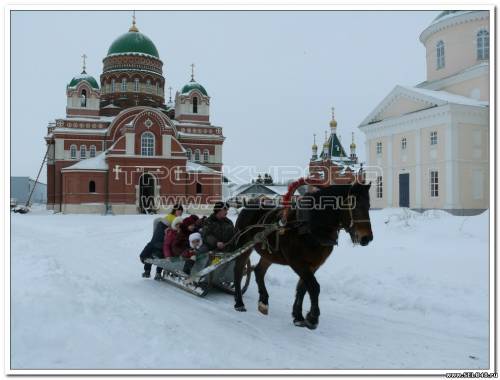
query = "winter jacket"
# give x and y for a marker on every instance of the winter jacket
(215, 230)
(181, 242)
(170, 235)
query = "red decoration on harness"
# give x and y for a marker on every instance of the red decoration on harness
(292, 187)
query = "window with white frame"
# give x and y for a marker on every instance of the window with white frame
(148, 86)
(112, 85)
(379, 187)
(483, 44)
(403, 143)
(379, 147)
(83, 151)
(72, 152)
(189, 153)
(92, 151)
(147, 144)
(197, 155)
(83, 98)
(205, 155)
(136, 84)
(157, 88)
(434, 138)
(434, 181)
(440, 55)
(124, 85)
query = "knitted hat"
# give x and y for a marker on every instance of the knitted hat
(194, 236)
(176, 222)
(189, 220)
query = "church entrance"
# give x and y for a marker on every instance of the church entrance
(404, 190)
(147, 185)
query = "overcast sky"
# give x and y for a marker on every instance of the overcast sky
(272, 76)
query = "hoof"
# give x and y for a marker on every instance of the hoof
(299, 322)
(240, 308)
(263, 308)
(311, 325)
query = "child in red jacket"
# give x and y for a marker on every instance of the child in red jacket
(170, 235)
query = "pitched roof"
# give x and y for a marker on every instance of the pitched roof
(430, 97)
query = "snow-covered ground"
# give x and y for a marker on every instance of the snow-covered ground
(415, 298)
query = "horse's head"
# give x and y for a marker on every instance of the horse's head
(356, 216)
(343, 207)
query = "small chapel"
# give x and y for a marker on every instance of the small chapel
(122, 149)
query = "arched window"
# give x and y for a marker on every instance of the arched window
(205, 155)
(199, 189)
(403, 143)
(124, 85)
(440, 54)
(148, 86)
(91, 187)
(112, 85)
(83, 99)
(197, 155)
(483, 44)
(195, 105)
(72, 151)
(136, 84)
(189, 153)
(92, 151)
(147, 144)
(83, 151)
(157, 88)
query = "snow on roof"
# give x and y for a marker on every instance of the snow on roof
(448, 15)
(110, 106)
(448, 97)
(278, 189)
(194, 167)
(82, 131)
(95, 163)
(100, 118)
(194, 135)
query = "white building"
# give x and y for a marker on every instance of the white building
(429, 143)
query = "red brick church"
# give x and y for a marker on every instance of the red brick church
(122, 149)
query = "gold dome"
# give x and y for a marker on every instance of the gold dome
(333, 123)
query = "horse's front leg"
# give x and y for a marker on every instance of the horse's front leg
(238, 274)
(298, 318)
(260, 271)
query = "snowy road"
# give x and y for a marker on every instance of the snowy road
(416, 298)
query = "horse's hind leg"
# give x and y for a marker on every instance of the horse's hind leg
(313, 288)
(298, 318)
(238, 274)
(260, 271)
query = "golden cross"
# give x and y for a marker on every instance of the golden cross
(333, 113)
(133, 18)
(314, 134)
(170, 93)
(192, 72)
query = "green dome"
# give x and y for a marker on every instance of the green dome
(193, 86)
(83, 76)
(133, 42)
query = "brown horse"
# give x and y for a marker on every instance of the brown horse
(304, 242)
